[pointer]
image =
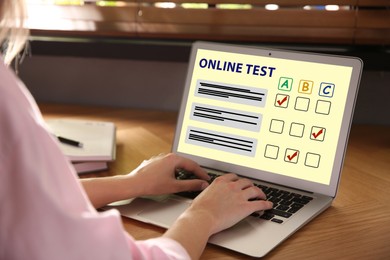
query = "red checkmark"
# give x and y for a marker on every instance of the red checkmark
(282, 101)
(290, 157)
(315, 135)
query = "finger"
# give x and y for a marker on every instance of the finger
(260, 205)
(201, 173)
(254, 192)
(191, 166)
(191, 185)
(261, 194)
(229, 177)
(244, 183)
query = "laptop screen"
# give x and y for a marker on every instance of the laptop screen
(275, 115)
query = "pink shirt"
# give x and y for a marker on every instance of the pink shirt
(44, 211)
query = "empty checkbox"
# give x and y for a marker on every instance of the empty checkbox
(323, 107)
(297, 129)
(276, 126)
(302, 104)
(271, 151)
(312, 160)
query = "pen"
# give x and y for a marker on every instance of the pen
(69, 141)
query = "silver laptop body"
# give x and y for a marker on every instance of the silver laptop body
(281, 118)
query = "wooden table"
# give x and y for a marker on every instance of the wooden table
(356, 226)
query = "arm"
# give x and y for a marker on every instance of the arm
(220, 206)
(102, 191)
(153, 177)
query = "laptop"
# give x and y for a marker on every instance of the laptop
(281, 118)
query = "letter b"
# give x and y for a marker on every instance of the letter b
(305, 86)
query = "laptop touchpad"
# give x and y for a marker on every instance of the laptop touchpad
(164, 213)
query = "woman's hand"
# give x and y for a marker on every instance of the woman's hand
(153, 177)
(225, 202)
(228, 200)
(156, 176)
(221, 205)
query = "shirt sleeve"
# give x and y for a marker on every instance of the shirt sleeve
(159, 248)
(45, 212)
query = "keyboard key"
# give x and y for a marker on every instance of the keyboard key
(276, 220)
(300, 200)
(293, 210)
(262, 187)
(267, 216)
(295, 207)
(280, 213)
(307, 198)
(296, 195)
(285, 202)
(282, 207)
(256, 214)
(287, 197)
(273, 200)
(189, 194)
(276, 194)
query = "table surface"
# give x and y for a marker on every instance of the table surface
(356, 226)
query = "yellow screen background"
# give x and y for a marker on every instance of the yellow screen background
(297, 70)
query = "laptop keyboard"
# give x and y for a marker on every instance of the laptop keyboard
(286, 203)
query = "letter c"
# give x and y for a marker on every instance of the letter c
(325, 91)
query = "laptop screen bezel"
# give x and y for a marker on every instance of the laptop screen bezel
(329, 190)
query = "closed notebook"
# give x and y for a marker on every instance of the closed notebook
(98, 139)
(90, 166)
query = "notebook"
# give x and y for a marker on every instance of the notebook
(97, 139)
(281, 118)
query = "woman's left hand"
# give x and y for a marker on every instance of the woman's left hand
(156, 176)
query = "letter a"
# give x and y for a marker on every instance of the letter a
(285, 84)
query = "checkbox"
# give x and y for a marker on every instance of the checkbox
(323, 107)
(317, 133)
(291, 155)
(282, 100)
(312, 160)
(271, 151)
(276, 126)
(297, 129)
(302, 104)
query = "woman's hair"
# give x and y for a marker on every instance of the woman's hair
(13, 32)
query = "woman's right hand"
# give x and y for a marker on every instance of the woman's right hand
(228, 200)
(222, 204)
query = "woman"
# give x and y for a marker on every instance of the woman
(46, 212)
